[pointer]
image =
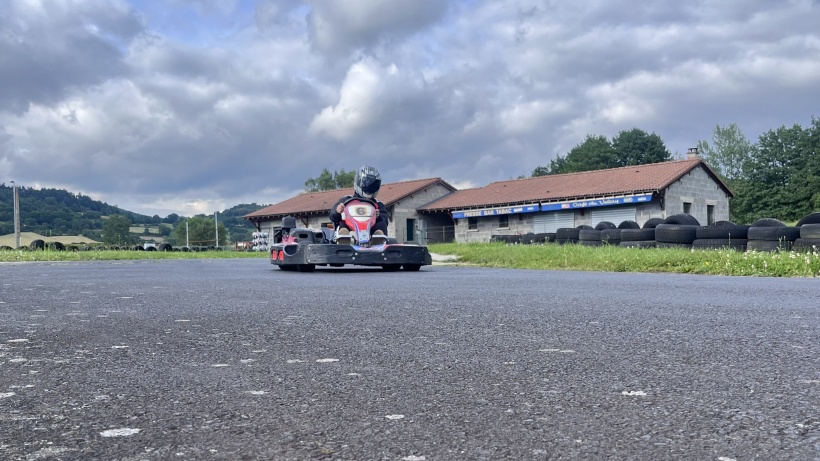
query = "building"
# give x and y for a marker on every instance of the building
(402, 199)
(544, 204)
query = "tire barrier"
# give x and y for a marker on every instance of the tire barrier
(605, 225)
(165, 247)
(720, 244)
(810, 231)
(629, 225)
(682, 219)
(674, 233)
(813, 218)
(723, 231)
(637, 235)
(38, 244)
(613, 236)
(638, 244)
(652, 223)
(808, 245)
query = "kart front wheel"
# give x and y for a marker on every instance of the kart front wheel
(306, 267)
(391, 267)
(412, 267)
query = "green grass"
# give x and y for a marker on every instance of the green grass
(617, 259)
(119, 255)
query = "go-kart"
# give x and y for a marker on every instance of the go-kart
(303, 249)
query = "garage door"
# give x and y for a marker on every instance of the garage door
(552, 221)
(614, 215)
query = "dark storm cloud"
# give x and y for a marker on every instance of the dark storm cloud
(52, 47)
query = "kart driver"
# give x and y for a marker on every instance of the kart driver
(366, 185)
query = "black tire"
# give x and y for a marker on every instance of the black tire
(813, 218)
(6, 248)
(550, 237)
(768, 222)
(810, 231)
(807, 245)
(605, 225)
(540, 238)
(774, 233)
(411, 267)
(306, 267)
(56, 246)
(652, 223)
(638, 244)
(608, 235)
(514, 239)
(38, 244)
(391, 267)
(583, 226)
(565, 233)
(672, 245)
(495, 238)
(165, 247)
(71, 248)
(682, 219)
(590, 243)
(527, 238)
(566, 241)
(718, 244)
(629, 225)
(637, 235)
(727, 231)
(768, 245)
(287, 267)
(589, 234)
(674, 233)
(151, 249)
(722, 223)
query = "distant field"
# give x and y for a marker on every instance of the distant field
(27, 237)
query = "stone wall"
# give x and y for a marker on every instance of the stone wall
(699, 189)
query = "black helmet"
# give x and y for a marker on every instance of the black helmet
(367, 182)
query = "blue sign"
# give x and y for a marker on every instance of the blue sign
(596, 203)
(496, 211)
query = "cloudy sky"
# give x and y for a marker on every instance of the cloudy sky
(194, 106)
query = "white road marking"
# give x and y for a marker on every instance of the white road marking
(5, 395)
(353, 374)
(295, 361)
(18, 360)
(809, 381)
(259, 351)
(119, 347)
(257, 392)
(414, 458)
(19, 340)
(182, 320)
(394, 417)
(634, 393)
(119, 432)
(327, 360)
(247, 360)
(126, 297)
(219, 365)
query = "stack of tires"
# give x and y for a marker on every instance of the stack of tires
(566, 235)
(165, 247)
(809, 240)
(640, 238)
(721, 235)
(592, 237)
(676, 231)
(613, 236)
(770, 234)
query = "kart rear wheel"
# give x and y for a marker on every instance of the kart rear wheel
(287, 267)
(306, 267)
(391, 267)
(412, 267)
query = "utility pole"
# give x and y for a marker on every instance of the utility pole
(16, 215)
(187, 242)
(216, 227)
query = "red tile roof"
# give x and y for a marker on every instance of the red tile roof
(601, 183)
(320, 202)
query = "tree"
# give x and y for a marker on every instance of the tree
(328, 181)
(595, 153)
(201, 231)
(729, 151)
(116, 231)
(636, 147)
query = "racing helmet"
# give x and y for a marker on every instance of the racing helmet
(367, 182)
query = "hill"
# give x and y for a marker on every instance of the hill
(52, 212)
(27, 237)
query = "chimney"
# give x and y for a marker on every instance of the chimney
(692, 154)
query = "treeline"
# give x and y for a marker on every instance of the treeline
(59, 212)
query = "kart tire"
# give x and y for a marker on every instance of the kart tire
(672, 245)
(391, 267)
(726, 231)
(673, 233)
(652, 223)
(768, 222)
(306, 267)
(638, 244)
(768, 245)
(774, 233)
(629, 225)
(810, 231)
(637, 235)
(720, 244)
(411, 267)
(808, 245)
(287, 267)
(813, 218)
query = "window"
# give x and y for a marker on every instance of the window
(504, 221)
(687, 207)
(472, 224)
(710, 214)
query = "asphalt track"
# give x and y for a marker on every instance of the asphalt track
(234, 359)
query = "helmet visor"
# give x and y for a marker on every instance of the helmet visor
(370, 186)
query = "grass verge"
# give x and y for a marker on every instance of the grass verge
(617, 259)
